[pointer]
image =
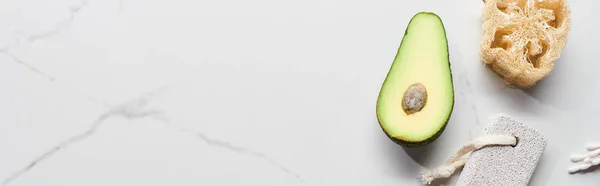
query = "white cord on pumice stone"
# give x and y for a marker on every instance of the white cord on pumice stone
(592, 158)
(457, 161)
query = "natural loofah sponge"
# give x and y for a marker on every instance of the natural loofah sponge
(523, 38)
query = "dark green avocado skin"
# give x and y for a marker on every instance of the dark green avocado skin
(410, 144)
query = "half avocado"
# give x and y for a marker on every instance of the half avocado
(417, 97)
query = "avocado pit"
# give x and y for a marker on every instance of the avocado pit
(414, 99)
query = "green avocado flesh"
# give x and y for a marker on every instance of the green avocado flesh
(417, 97)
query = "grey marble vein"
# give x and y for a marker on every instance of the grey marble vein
(131, 110)
(51, 78)
(46, 34)
(6, 49)
(472, 103)
(61, 25)
(241, 150)
(29, 66)
(135, 109)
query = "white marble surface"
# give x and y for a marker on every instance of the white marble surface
(265, 92)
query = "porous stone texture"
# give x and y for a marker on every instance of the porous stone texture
(505, 165)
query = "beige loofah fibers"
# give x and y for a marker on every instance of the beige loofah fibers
(523, 38)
